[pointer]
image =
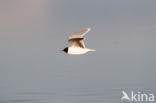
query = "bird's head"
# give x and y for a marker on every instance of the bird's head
(65, 50)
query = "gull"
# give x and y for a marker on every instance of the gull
(77, 43)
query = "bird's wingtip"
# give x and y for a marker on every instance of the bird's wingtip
(93, 50)
(89, 29)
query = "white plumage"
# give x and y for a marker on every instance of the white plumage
(78, 51)
(77, 42)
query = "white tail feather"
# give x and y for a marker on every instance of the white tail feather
(92, 50)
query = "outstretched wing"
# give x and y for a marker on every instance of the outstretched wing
(80, 33)
(76, 39)
(77, 42)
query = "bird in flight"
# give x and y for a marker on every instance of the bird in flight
(77, 43)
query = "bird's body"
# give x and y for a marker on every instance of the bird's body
(78, 51)
(77, 42)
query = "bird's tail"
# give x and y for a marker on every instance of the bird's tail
(92, 50)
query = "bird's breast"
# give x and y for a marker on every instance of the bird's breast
(77, 50)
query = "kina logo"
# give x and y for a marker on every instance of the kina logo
(137, 96)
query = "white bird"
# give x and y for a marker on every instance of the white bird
(77, 43)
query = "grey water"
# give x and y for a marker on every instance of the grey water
(63, 96)
(46, 75)
(79, 79)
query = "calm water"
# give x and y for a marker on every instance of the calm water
(63, 81)
(79, 95)
(65, 95)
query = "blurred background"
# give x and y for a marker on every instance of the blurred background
(32, 33)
